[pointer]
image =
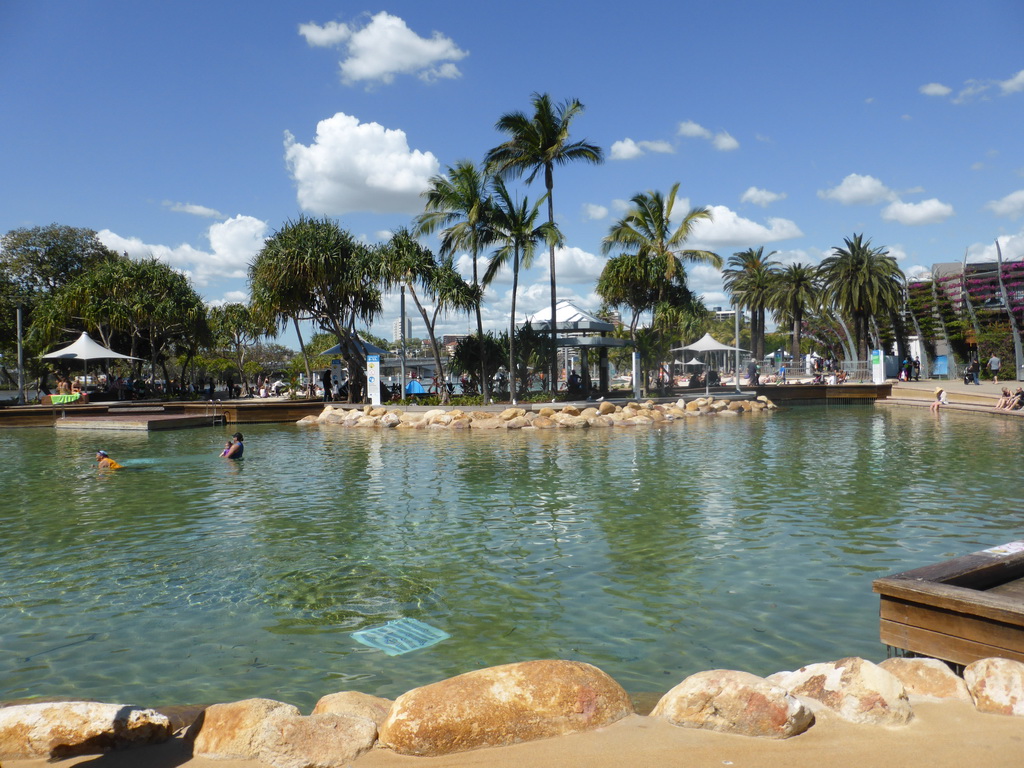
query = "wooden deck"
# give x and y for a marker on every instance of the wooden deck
(961, 610)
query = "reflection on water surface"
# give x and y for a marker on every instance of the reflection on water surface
(749, 543)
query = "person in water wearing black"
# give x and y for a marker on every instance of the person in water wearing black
(236, 450)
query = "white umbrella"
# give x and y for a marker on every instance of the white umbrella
(85, 349)
(707, 343)
(694, 361)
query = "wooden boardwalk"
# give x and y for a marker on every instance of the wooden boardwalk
(961, 610)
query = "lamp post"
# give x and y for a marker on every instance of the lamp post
(21, 362)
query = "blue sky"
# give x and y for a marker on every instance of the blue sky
(193, 130)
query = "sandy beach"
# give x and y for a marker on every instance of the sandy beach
(942, 735)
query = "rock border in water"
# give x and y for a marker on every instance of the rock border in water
(515, 703)
(603, 414)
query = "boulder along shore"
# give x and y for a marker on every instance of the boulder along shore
(903, 711)
(604, 414)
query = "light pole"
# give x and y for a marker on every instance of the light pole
(21, 362)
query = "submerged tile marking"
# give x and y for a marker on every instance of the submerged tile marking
(400, 636)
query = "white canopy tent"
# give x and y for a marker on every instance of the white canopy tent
(708, 343)
(85, 349)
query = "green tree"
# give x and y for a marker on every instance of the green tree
(314, 267)
(41, 259)
(646, 230)
(458, 204)
(796, 292)
(860, 283)
(137, 307)
(538, 143)
(429, 280)
(514, 225)
(239, 329)
(749, 279)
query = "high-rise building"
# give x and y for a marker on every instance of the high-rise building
(396, 330)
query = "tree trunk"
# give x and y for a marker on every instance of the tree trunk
(302, 348)
(549, 183)
(512, 368)
(480, 334)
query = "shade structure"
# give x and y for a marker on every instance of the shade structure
(706, 343)
(87, 349)
(368, 349)
(694, 361)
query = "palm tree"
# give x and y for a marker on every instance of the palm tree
(536, 144)
(861, 282)
(796, 291)
(646, 230)
(459, 203)
(515, 227)
(406, 262)
(749, 279)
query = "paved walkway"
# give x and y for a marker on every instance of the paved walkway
(965, 397)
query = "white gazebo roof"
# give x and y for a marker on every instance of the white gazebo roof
(569, 317)
(87, 349)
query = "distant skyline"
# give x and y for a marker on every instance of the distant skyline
(192, 131)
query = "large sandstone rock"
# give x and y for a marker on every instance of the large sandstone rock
(853, 688)
(512, 413)
(503, 705)
(734, 702)
(354, 703)
(311, 419)
(543, 422)
(317, 741)
(571, 410)
(518, 422)
(64, 728)
(488, 424)
(996, 685)
(606, 408)
(927, 677)
(390, 420)
(232, 731)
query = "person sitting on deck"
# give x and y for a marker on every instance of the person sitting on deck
(1017, 401)
(103, 461)
(940, 399)
(1004, 400)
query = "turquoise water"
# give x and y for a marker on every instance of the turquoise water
(747, 543)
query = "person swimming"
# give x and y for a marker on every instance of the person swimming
(236, 449)
(103, 461)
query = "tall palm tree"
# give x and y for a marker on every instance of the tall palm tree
(459, 203)
(749, 279)
(646, 230)
(515, 228)
(861, 282)
(405, 262)
(796, 291)
(536, 144)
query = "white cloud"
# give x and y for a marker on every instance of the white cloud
(858, 190)
(1014, 84)
(1012, 205)
(729, 228)
(935, 89)
(595, 212)
(233, 245)
(693, 130)
(898, 252)
(331, 33)
(724, 142)
(353, 166)
(914, 214)
(386, 47)
(721, 141)
(231, 297)
(574, 265)
(627, 149)
(761, 197)
(195, 210)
